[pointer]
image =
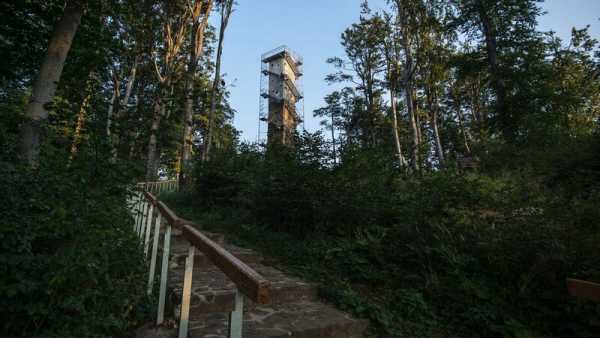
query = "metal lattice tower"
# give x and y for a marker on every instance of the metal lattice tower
(280, 109)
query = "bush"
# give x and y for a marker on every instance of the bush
(70, 266)
(483, 254)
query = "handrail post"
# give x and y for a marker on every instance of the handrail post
(163, 276)
(187, 293)
(154, 253)
(148, 229)
(138, 204)
(142, 216)
(135, 209)
(147, 206)
(236, 316)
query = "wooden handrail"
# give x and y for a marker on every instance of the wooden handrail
(584, 290)
(248, 281)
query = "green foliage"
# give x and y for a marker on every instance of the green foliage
(70, 265)
(457, 254)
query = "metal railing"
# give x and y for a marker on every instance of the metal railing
(149, 214)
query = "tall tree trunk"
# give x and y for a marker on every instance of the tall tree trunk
(391, 50)
(507, 123)
(418, 117)
(438, 139)
(433, 106)
(415, 129)
(399, 155)
(216, 93)
(406, 42)
(123, 108)
(196, 49)
(79, 125)
(129, 86)
(461, 123)
(135, 133)
(47, 79)
(159, 112)
(333, 137)
(114, 101)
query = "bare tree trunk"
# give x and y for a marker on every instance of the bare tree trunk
(47, 79)
(79, 126)
(414, 126)
(461, 122)
(123, 107)
(135, 133)
(111, 107)
(438, 139)
(409, 90)
(196, 49)
(333, 137)
(392, 60)
(129, 86)
(401, 159)
(415, 129)
(418, 118)
(433, 106)
(151, 163)
(226, 10)
(489, 32)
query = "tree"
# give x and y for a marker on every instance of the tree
(507, 28)
(47, 80)
(364, 67)
(174, 33)
(226, 10)
(334, 112)
(201, 9)
(391, 48)
(408, 21)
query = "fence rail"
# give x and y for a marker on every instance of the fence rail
(157, 187)
(584, 290)
(150, 213)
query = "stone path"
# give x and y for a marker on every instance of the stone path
(294, 311)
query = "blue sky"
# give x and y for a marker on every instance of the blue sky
(313, 29)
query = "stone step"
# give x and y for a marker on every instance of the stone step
(177, 236)
(212, 291)
(303, 319)
(179, 253)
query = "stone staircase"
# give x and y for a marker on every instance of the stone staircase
(294, 310)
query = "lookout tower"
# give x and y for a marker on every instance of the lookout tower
(280, 96)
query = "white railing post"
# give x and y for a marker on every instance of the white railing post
(163, 276)
(144, 220)
(154, 253)
(236, 316)
(148, 229)
(187, 293)
(141, 220)
(135, 210)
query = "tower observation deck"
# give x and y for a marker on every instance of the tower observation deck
(280, 96)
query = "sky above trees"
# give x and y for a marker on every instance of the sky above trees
(313, 29)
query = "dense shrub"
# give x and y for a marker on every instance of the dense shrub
(464, 254)
(70, 266)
